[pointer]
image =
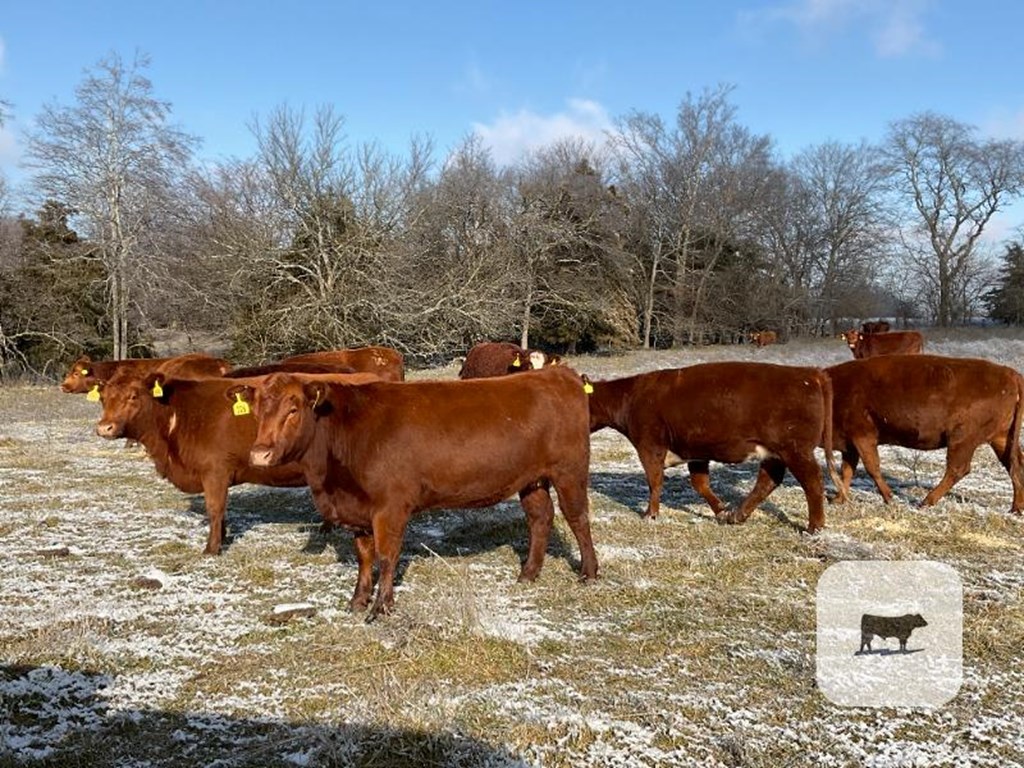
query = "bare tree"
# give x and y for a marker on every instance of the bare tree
(113, 158)
(948, 184)
(695, 183)
(844, 187)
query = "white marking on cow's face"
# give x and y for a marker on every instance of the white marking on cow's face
(173, 423)
(761, 453)
(537, 360)
(673, 460)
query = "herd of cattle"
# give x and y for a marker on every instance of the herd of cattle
(375, 449)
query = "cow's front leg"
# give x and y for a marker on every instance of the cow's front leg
(652, 458)
(365, 555)
(540, 514)
(388, 532)
(215, 495)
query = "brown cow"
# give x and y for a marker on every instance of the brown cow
(85, 374)
(764, 338)
(892, 343)
(875, 326)
(729, 412)
(376, 455)
(385, 363)
(927, 402)
(194, 437)
(498, 358)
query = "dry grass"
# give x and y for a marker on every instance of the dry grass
(696, 646)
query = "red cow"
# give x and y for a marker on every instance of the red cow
(376, 455)
(86, 373)
(892, 343)
(764, 338)
(384, 362)
(927, 402)
(729, 412)
(875, 326)
(194, 436)
(498, 358)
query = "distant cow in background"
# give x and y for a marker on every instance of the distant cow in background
(889, 626)
(499, 358)
(875, 326)
(764, 338)
(892, 343)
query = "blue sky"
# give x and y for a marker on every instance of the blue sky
(522, 73)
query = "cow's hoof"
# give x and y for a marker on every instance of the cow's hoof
(726, 517)
(377, 611)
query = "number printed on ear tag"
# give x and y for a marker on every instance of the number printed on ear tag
(240, 407)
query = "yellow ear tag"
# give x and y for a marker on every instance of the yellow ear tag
(85, 371)
(240, 407)
(158, 391)
(588, 387)
(94, 393)
(517, 362)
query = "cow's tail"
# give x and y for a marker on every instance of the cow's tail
(1016, 459)
(826, 437)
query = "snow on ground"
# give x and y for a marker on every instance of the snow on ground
(119, 642)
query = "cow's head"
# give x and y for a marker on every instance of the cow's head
(80, 376)
(917, 620)
(128, 404)
(286, 409)
(852, 337)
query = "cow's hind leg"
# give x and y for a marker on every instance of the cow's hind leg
(540, 514)
(849, 466)
(868, 450)
(1009, 456)
(575, 506)
(807, 471)
(365, 555)
(769, 476)
(958, 465)
(700, 479)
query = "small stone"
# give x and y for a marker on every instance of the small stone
(57, 551)
(148, 582)
(285, 612)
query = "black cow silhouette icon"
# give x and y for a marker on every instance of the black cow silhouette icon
(889, 626)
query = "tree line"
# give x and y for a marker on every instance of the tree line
(683, 231)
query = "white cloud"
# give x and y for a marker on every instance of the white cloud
(895, 27)
(511, 136)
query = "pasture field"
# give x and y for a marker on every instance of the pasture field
(122, 645)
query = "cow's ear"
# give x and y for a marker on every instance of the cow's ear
(318, 395)
(159, 387)
(241, 397)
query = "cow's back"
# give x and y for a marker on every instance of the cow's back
(386, 363)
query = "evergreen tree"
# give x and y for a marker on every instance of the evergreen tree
(1006, 301)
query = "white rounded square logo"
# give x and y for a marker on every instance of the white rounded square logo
(890, 633)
